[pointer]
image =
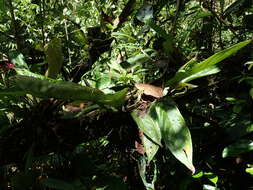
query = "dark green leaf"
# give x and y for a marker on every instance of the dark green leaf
(237, 148)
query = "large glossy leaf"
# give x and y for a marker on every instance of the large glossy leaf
(63, 90)
(204, 68)
(163, 119)
(174, 131)
(238, 148)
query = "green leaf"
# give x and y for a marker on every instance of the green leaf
(203, 14)
(12, 91)
(58, 89)
(174, 131)
(237, 148)
(198, 175)
(249, 169)
(213, 178)
(150, 148)
(57, 184)
(63, 90)
(148, 125)
(115, 100)
(204, 68)
(142, 171)
(54, 55)
(21, 67)
(209, 187)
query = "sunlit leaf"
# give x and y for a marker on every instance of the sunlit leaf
(198, 175)
(209, 187)
(148, 125)
(21, 67)
(62, 90)
(174, 131)
(151, 148)
(204, 68)
(115, 100)
(54, 55)
(212, 177)
(237, 148)
(249, 169)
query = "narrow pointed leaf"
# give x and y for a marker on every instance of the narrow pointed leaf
(193, 70)
(65, 91)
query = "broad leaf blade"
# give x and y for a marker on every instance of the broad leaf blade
(148, 125)
(174, 131)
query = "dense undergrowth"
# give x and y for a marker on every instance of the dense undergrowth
(126, 94)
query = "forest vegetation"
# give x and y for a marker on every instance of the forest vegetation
(126, 94)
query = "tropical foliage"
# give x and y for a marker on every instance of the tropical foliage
(126, 94)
